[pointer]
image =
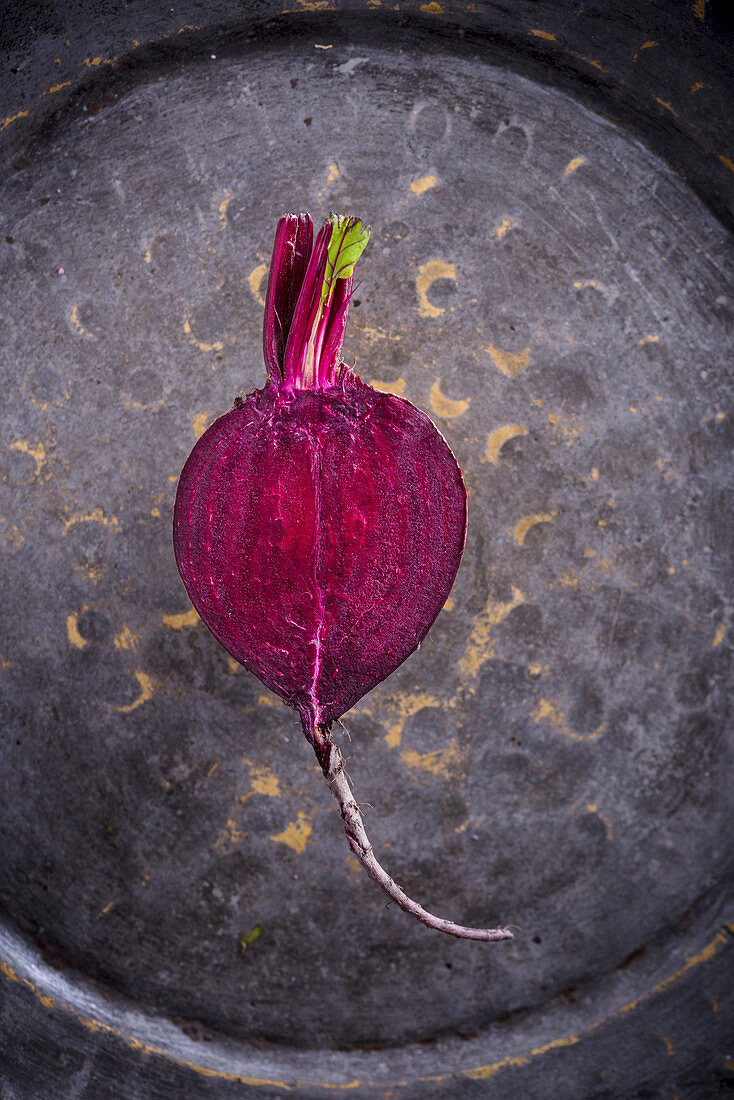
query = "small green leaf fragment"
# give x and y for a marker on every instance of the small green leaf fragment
(349, 237)
(250, 937)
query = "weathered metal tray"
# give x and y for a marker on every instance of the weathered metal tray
(550, 278)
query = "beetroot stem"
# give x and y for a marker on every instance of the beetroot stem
(330, 758)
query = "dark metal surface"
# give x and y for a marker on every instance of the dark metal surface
(558, 753)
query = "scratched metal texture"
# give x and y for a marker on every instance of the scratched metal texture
(550, 278)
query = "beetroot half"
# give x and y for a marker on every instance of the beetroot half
(319, 524)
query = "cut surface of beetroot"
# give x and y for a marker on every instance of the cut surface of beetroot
(319, 524)
(318, 538)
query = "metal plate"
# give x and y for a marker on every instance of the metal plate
(558, 753)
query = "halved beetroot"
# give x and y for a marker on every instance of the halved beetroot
(319, 524)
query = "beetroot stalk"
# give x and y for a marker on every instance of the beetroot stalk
(319, 524)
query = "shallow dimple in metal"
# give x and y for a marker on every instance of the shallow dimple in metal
(556, 754)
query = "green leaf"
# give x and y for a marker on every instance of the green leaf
(349, 237)
(250, 937)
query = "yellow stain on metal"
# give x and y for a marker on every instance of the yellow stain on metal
(8, 971)
(425, 183)
(342, 1087)
(567, 580)
(549, 712)
(78, 326)
(95, 516)
(720, 633)
(92, 572)
(216, 345)
(354, 867)
(445, 761)
(125, 639)
(11, 534)
(699, 9)
(296, 834)
(72, 630)
(648, 338)
(332, 175)
(645, 46)
(428, 273)
(254, 282)
(511, 364)
(315, 5)
(668, 1045)
(12, 976)
(57, 87)
(483, 1073)
(589, 61)
(130, 403)
(479, 648)
(96, 62)
(182, 620)
(497, 439)
(445, 406)
(580, 284)
(147, 691)
(199, 424)
(566, 426)
(573, 165)
(523, 525)
(35, 451)
(593, 808)
(666, 104)
(433, 8)
(13, 118)
(263, 781)
(231, 836)
(397, 387)
(698, 86)
(503, 227)
(727, 162)
(223, 207)
(548, 35)
(402, 708)
(268, 700)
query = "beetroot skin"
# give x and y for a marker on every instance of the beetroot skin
(319, 524)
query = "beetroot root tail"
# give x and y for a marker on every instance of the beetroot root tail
(330, 758)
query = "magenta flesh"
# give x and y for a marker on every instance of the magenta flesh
(319, 538)
(319, 524)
